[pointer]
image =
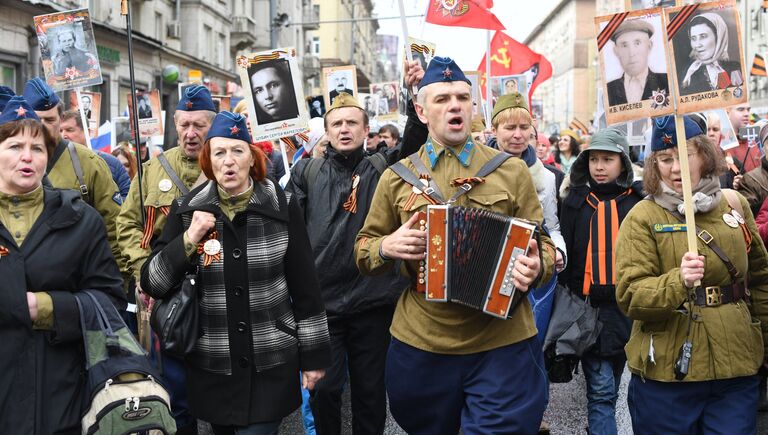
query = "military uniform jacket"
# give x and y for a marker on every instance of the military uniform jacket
(728, 340)
(42, 373)
(450, 328)
(157, 203)
(103, 193)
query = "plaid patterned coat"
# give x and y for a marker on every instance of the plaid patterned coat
(262, 316)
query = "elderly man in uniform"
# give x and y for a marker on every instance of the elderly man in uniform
(74, 166)
(633, 46)
(165, 178)
(335, 192)
(448, 365)
(70, 56)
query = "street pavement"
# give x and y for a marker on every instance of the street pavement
(566, 414)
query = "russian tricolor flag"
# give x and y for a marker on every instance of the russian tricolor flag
(103, 142)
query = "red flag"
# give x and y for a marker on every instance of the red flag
(463, 13)
(510, 57)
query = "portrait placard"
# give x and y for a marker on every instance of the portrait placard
(121, 131)
(708, 61)
(148, 111)
(720, 130)
(477, 103)
(503, 85)
(276, 99)
(632, 52)
(68, 49)
(222, 103)
(339, 79)
(316, 106)
(421, 51)
(633, 5)
(387, 100)
(369, 103)
(91, 103)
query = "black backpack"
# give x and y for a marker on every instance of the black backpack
(126, 395)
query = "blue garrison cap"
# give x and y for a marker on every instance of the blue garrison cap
(442, 69)
(39, 95)
(229, 125)
(5, 95)
(196, 97)
(664, 134)
(16, 110)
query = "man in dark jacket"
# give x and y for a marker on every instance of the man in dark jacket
(335, 193)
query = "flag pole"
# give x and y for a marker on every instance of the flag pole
(489, 97)
(408, 54)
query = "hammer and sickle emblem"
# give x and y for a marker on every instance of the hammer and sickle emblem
(502, 58)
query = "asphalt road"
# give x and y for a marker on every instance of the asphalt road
(566, 414)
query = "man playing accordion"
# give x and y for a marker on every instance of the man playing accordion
(449, 365)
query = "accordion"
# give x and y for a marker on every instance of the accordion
(470, 257)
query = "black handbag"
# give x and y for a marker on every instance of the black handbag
(175, 318)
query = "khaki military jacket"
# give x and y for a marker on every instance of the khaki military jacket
(103, 193)
(159, 192)
(451, 328)
(728, 340)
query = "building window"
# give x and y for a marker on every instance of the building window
(220, 50)
(207, 46)
(8, 75)
(315, 46)
(159, 27)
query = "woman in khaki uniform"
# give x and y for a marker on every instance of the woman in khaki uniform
(693, 352)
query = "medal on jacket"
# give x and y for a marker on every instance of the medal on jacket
(165, 185)
(3, 251)
(730, 220)
(738, 217)
(210, 248)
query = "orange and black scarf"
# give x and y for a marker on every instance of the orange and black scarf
(603, 231)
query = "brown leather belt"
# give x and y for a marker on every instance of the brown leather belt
(714, 296)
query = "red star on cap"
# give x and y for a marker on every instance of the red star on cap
(234, 130)
(667, 139)
(189, 104)
(21, 112)
(447, 73)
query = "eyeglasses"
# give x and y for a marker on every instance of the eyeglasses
(670, 159)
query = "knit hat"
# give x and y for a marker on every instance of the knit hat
(664, 134)
(442, 70)
(229, 125)
(39, 95)
(509, 101)
(16, 110)
(196, 97)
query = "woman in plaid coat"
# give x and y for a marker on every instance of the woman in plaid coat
(262, 318)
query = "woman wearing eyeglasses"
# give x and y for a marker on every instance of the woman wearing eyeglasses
(694, 350)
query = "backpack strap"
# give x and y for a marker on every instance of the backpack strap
(171, 173)
(310, 173)
(422, 168)
(379, 162)
(78, 172)
(733, 200)
(412, 179)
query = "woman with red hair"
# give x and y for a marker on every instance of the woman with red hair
(260, 324)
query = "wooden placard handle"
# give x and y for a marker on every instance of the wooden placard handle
(690, 220)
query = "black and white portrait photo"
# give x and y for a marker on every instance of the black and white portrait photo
(316, 106)
(273, 93)
(648, 4)
(634, 74)
(276, 102)
(340, 82)
(706, 53)
(337, 80)
(640, 60)
(85, 102)
(68, 50)
(144, 106)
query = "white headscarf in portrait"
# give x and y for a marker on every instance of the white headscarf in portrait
(721, 46)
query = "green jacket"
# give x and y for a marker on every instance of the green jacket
(451, 328)
(728, 340)
(103, 193)
(130, 227)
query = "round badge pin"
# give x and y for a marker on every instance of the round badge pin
(212, 247)
(738, 217)
(165, 185)
(730, 220)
